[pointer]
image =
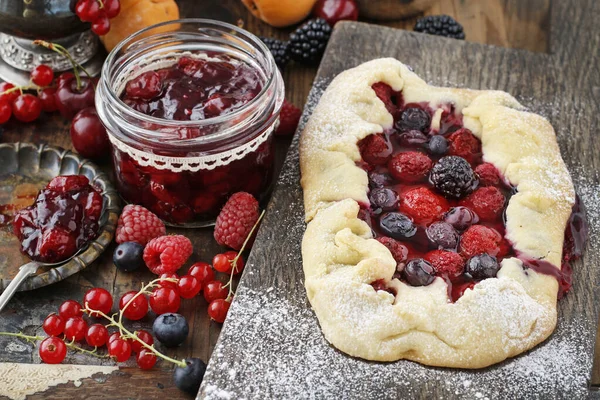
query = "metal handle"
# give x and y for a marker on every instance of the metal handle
(25, 271)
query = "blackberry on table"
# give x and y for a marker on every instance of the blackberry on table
(440, 25)
(279, 49)
(308, 42)
(453, 177)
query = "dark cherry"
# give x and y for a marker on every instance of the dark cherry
(146, 86)
(482, 266)
(461, 217)
(438, 145)
(377, 180)
(442, 235)
(69, 99)
(384, 199)
(397, 225)
(89, 135)
(418, 272)
(412, 138)
(413, 118)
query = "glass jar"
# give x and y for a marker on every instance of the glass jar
(184, 171)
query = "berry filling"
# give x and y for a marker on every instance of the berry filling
(438, 207)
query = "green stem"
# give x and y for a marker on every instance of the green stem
(23, 336)
(64, 52)
(71, 345)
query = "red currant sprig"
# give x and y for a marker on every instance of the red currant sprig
(98, 13)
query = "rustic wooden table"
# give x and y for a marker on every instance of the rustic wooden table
(508, 23)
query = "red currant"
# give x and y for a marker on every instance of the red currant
(54, 325)
(52, 350)
(145, 337)
(169, 284)
(188, 286)
(137, 309)
(70, 308)
(27, 107)
(113, 336)
(96, 335)
(214, 290)
(101, 25)
(42, 75)
(224, 262)
(164, 300)
(75, 329)
(119, 349)
(112, 8)
(46, 96)
(203, 272)
(5, 111)
(89, 135)
(87, 10)
(11, 96)
(146, 359)
(98, 299)
(218, 309)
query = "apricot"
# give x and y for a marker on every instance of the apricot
(280, 13)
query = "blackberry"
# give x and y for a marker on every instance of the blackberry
(413, 118)
(308, 42)
(453, 177)
(440, 25)
(279, 49)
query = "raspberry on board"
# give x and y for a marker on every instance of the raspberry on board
(236, 220)
(289, 116)
(465, 145)
(479, 239)
(410, 166)
(446, 262)
(423, 205)
(166, 254)
(487, 202)
(488, 175)
(375, 149)
(138, 224)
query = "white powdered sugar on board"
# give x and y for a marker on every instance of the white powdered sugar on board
(272, 346)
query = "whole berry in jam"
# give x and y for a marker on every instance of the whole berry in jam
(375, 149)
(279, 49)
(138, 224)
(137, 306)
(410, 166)
(479, 239)
(42, 75)
(308, 42)
(165, 300)
(128, 256)
(397, 226)
(487, 202)
(98, 299)
(167, 253)
(398, 250)
(453, 177)
(53, 325)
(442, 235)
(203, 272)
(88, 135)
(170, 329)
(465, 145)
(236, 220)
(482, 266)
(26, 107)
(461, 218)
(412, 139)
(488, 175)
(423, 206)
(52, 350)
(189, 378)
(333, 11)
(96, 335)
(437, 146)
(446, 262)
(383, 199)
(218, 309)
(440, 25)
(70, 308)
(418, 272)
(145, 86)
(289, 116)
(413, 118)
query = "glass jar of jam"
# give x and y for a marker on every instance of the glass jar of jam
(190, 107)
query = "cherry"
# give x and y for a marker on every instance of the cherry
(42, 75)
(52, 350)
(75, 329)
(27, 107)
(188, 286)
(218, 309)
(98, 299)
(203, 272)
(54, 325)
(145, 86)
(119, 349)
(11, 96)
(101, 25)
(5, 111)
(214, 290)
(146, 359)
(112, 8)
(69, 99)
(69, 309)
(87, 10)
(48, 100)
(164, 300)
(224, 262)
(333, 11)
(96, 335)
(169, 284)
(89, 135)
(145, 337)
(137, 309)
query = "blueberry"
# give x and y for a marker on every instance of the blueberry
(442, 235)
(128, 256)
(412, 139)
(189, 378)
(384, 199)
(482, 266)
(170, 329)
(419, 272)
(397, 225)
(453, 177)
(413, 118)
(377, 180)
(461, 217)
(438, 145)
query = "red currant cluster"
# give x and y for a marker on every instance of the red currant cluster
(98, 13)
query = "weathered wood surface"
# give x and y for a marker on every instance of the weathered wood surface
(271, 345)
(511, 23)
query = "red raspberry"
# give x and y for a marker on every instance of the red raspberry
(375, 149)
(479, 239)
(166, 254)
(289, 116)
(137, 224)
(423, 205)
(487, 202)
(446, 262)
(398, 250)
(384, 92)
(488, 175)
(465, 145)
(236, 220)
(410, 166)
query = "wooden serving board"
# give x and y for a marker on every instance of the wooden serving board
(271, 345)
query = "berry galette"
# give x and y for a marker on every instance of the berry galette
(441, 222)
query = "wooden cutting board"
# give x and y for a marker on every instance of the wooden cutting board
(271, 345)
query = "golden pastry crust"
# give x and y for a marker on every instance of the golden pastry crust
(500, 317)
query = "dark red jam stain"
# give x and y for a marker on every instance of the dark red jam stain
(64, 218)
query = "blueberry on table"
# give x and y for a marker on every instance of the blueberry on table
(128, 256)
(170, 329)
(189, 378)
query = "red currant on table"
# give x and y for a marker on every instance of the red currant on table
(11, 96)
(87, 10)
(164, 300)
(112, 8)
(42, 75)
(96, 335)
(101, 25)
(5, 111)
(46, 96)
(119, 349)
(27, 107)
(53, 325)
(70, 308)
(218, 309)
(146, 359)
(214, 290)
(169, 284)
(89, 135)
(113, 336)
(75, 329)
(137, 309)
(189, 286)
(145, 337)
(203, 272)
(52, 350)
(98, 299)
(224, 262)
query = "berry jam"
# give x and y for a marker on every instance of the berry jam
(438, 206)
(63, 219)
